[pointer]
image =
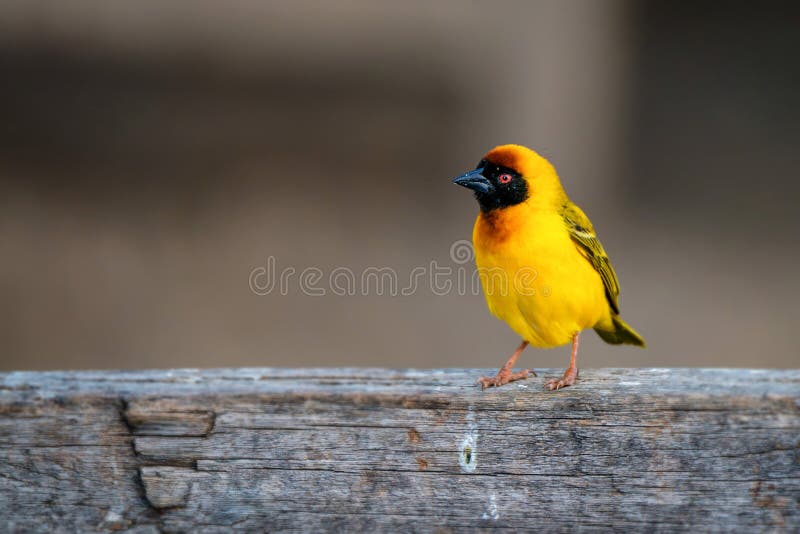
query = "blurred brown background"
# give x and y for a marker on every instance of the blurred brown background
(154, 153)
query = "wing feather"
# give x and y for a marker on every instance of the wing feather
(582, 233)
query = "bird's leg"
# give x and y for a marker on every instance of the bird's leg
(504, 375)
(572, 371)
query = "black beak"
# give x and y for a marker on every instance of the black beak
(476, 181)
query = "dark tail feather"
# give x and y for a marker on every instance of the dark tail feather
(622, 334)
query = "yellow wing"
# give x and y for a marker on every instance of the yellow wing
(582, 233)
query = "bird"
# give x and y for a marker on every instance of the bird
(542, 268)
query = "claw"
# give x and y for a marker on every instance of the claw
(504, 375)
(567, 380)
(503, 378)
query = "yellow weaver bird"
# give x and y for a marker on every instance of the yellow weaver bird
(542, 268)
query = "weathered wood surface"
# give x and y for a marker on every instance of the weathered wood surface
(347, 449)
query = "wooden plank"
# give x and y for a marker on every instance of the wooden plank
(376, 449)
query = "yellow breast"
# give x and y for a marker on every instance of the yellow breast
(533, 276)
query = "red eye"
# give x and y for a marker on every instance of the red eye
(504, 178)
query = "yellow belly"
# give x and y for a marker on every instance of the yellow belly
(535, 279)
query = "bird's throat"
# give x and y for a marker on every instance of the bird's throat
(494, 228)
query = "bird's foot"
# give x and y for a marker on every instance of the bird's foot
(504, 376)
(567, 380)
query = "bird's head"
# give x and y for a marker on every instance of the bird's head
(512, 174)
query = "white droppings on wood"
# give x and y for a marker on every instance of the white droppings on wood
(492, 512)
(112, 517)
(468, 452)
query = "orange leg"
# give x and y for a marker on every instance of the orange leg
(504, 375)
(572, 371)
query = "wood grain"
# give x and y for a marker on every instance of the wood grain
(375, 449)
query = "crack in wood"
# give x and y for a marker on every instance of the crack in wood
(141, 487)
